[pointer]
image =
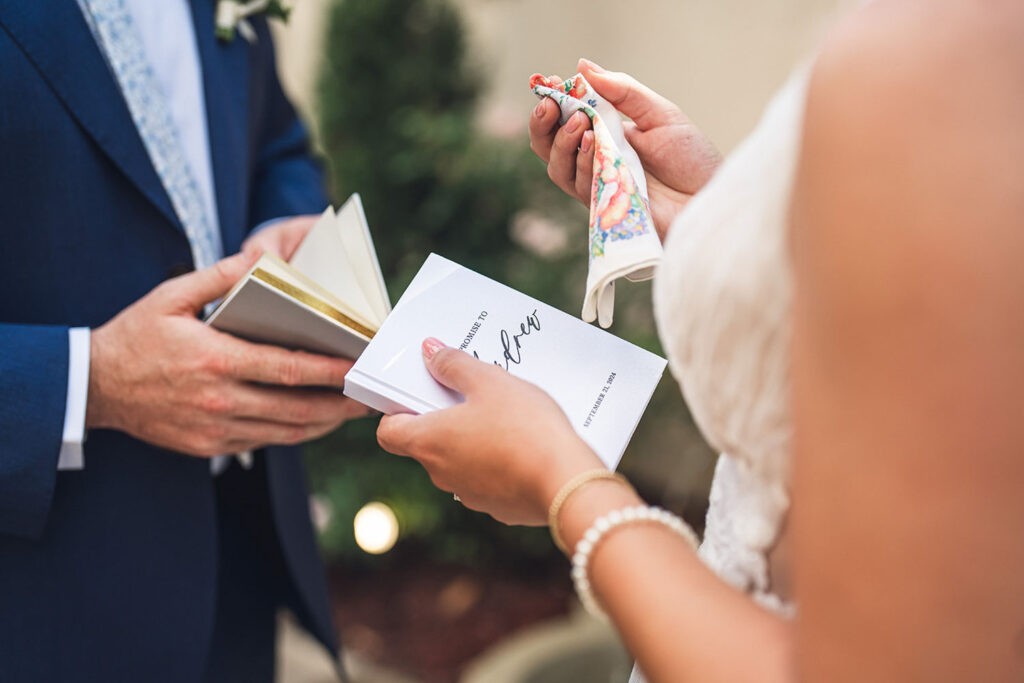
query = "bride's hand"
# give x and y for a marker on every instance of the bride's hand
(506, 450)
(676, 156)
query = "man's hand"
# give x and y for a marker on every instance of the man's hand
(161, 375)
(281, 239)
(676, 157)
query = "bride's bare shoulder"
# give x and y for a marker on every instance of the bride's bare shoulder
(929, 51)
(908, 325)
(912, 153)
(920, 103)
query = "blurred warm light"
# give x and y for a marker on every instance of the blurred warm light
(376, 528)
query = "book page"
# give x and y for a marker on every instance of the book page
(323, 258)
(304, 287)
(262, 313)
(355, 235)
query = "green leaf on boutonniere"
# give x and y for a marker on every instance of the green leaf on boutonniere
(224, 33)
(279, 9)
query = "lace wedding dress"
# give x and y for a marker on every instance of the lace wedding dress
(722, 300)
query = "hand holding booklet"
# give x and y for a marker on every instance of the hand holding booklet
(603, 383)
(331, 299)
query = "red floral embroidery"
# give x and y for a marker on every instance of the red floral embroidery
(539, 79)
(574, 87)
(617, 211)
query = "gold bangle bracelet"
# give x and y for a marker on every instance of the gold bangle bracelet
(570, 487)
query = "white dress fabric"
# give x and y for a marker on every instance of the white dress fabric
(722, 299)
(722, 302)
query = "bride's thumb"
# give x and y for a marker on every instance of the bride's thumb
(451, 367)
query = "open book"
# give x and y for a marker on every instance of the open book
(602, 382)
(330, 298)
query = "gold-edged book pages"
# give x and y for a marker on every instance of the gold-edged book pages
(329, 299)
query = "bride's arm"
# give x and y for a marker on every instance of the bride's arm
(508, 450)
(909, 349)
(678, 619)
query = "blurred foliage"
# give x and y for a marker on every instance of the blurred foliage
(397, 103)
(397, 106)
(397, 118)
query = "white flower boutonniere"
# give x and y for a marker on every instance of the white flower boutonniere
(233, 14)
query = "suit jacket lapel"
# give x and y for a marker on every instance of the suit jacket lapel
(57, 40)
(226, 91)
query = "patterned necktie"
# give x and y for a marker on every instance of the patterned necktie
(115, 32)
(118, 36)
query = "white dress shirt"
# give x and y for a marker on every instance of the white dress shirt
(169, 38)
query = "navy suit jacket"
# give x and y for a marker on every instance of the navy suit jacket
(109, 573)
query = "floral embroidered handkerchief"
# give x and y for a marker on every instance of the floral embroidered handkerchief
(623, 241)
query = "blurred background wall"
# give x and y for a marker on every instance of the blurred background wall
(718, 59)
(444, 166)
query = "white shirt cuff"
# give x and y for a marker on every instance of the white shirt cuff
(71, 457)
(219, 463)
(71, 448)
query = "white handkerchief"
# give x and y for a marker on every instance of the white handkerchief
(623, 241)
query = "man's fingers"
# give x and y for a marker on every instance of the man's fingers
(254, 248)
(631, 97)
(247, 434)
(192, 291)
(454, 368)
(280, 238)
(585, 166)
(543, 126)
(562, 165)
(274, 365)
(298, 406)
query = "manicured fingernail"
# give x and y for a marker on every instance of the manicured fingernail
(591, 65)
(431, 346)
(588, 140)
(574, 123)
(539, 110)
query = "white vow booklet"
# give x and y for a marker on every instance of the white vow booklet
(603, 383)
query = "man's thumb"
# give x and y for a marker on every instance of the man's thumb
(195, 290)
(451, 367)
(647, 108)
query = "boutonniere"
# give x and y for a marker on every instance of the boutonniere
(233, 15)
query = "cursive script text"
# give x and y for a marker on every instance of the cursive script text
(512, 344)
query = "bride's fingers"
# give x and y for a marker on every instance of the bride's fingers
(631, 97)
(544, 123)
(398, 433)
(562, 166)
(585, 166)
(543, 126)
(457, 369)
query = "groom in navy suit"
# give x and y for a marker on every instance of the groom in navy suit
(149, 531)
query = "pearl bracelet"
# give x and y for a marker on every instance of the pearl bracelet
(601, 528)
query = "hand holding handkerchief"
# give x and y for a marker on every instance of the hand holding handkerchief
(623, 241)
